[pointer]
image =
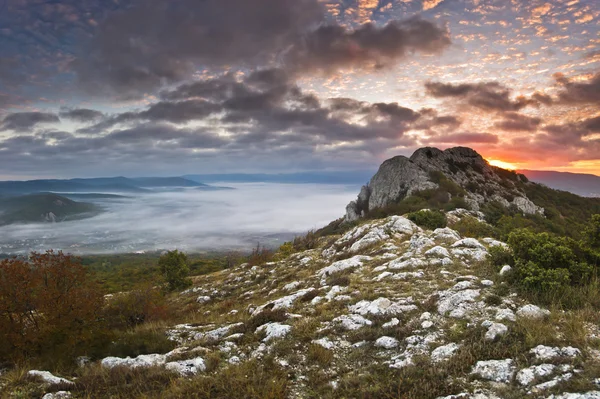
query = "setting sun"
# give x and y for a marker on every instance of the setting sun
(502, 164)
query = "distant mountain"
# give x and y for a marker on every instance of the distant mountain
(348, 177)
(166, 182)
(586, 185)
(43, 207)
(118, 184)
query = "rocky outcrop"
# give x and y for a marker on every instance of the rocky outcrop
(400, 177)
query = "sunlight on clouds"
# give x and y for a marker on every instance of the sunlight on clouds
(502, 164)
(429, 4)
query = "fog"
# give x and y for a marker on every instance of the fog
(190, 220)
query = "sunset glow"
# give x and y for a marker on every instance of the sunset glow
(501, 164)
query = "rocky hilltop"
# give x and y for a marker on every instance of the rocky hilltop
(427, 169)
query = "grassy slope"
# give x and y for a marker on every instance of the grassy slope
(31, 208)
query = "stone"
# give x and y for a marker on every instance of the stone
(325, 343)
(48, 378)
(438, 252)
(495, 370)
(495, 330)
(545, 353)
(505, 270)
(527, 375)
(444, 352)
(457, 304)
(505, 314)
(352, 322)
(468, 243)
(586, 395)
(203, 299)
(392, 323)
(340, 265)
(386, 342)
(57, 395)
(291, 286)
(139, 361)
(274, 331)
(532, 312)
(284, 302)
(383, 306)
(187, 367)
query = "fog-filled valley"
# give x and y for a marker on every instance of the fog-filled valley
(187, 219)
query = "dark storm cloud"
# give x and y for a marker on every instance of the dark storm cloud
(159, 41)
(332, 46)
(82, 115)
(488, 96)
(517, 122)
(156, 42)
(465, 138)
(24, 121)
(579, 92)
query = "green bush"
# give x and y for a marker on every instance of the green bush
(174, 267)
(545, 262)
(500, 256)
(429, 219)
(469, 226)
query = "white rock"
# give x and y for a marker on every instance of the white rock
(325, 343)
(495, 370)
(386, 342)
(291, 286)
(495, 330)
(203, 299)
(187, 367)
(418, 242)
(334, 291)
(383, 276)
(234, 360)
(438, 252)
(532, 312)
(398, 264)
(427, 324)
(57, 395)
(446, 234)
(283, 303)
(139, 361)
(48, 378)
(383, 306)
(457, 304)
(217, 333)
(505, 270)
(487, 283)
(494, 243)
(352, 321)
(274, 331)
(462, 285)
(392, 323)
(340, 265)
(468, 243)
(587, 395)
(527, 375)
(444, 352)
(544, 353)
(505, 314)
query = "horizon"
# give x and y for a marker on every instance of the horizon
(163, 87)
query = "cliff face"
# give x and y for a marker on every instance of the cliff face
(400, 177)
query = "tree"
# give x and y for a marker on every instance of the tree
(47, 304)
(174, 267)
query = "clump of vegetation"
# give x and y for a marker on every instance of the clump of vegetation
(428, 219)
(135, 307)
(550, 266)
(48, 306)
(174, 267)
(469, 226)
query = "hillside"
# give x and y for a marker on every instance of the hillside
(397, 302)
(43, 208)
(583, 184)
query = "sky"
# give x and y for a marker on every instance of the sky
(169, 87)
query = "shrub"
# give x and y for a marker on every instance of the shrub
(545, 262)
(129, 309)
(500, 256)
(428, 219)
(48, 306)
(174, 267)
(260, 255)
(469, 226)
(139, 342)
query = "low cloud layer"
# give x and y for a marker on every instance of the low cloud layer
(191, 220)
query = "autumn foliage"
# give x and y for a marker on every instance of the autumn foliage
(47, 304)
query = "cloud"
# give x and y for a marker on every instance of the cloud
(488, 96)
(465, 138)
(578, 92)
(518, 122)
(24, 121)
(82, 115)
(153, 43)
(332, 47)
(429, 4)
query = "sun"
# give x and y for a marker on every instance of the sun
(502, 164)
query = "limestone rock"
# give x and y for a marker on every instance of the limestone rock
(495, 370)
